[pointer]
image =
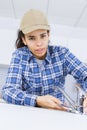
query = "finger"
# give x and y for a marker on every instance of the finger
(85, 103)
(56, 100)
(59, 107)
(55, 103)
(85, 110)
(63, 107)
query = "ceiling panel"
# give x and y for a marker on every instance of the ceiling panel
(83, 21)
(6, 8)
(21, 6)
(65, 12)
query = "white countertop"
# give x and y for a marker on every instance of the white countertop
(15, 117)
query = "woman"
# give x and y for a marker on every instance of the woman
(38, 69)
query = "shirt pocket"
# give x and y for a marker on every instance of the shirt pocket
(32, 84)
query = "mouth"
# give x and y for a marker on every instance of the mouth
(40, 50)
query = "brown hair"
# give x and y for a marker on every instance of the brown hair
(19, 42)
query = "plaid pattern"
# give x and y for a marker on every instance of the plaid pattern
(26, 79)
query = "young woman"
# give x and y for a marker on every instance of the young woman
(38, 69)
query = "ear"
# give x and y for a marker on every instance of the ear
(24, 41)
(49, 35)
(48, 32)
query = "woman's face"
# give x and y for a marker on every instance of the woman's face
(37, 42)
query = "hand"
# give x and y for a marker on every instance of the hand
(49, 102)
(85, 105)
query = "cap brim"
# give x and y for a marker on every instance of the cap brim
(36, 27)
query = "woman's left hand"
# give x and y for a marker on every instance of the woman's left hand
(85, 105)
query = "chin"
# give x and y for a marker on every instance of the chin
(41, 57)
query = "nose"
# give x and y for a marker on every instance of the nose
(38, 42)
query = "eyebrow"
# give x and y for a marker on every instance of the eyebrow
(35, 36)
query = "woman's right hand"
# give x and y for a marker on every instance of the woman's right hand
(50, 102)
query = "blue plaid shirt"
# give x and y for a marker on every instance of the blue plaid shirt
(26, 79)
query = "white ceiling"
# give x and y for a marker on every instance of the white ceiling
(66, 12)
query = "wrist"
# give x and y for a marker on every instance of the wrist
(38, 101)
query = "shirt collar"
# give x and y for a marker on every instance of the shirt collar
(30, 55)
(47, 58)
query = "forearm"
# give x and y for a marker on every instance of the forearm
(19, 97)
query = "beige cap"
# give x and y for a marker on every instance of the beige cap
(33, 20)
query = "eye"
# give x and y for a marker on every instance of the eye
(31, 38)
(43, 36)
